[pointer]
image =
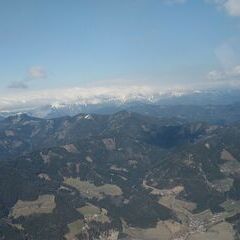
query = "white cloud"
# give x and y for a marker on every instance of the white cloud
(232, 74)
(232, 7)
(90, 95)
(227, 55)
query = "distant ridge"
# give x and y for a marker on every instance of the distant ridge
(205, 102)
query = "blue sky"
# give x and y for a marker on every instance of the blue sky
(75, 43)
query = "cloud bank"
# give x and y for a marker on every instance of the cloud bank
(232, 7)
(230, 75)
(93, 95)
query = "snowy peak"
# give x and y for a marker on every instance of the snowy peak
(107, 102)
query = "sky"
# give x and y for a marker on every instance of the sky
(63, 44)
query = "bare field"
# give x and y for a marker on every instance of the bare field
(44, 204)
(221, 231)
(89, 190)
(163, 192)
(75, 228)
(91, 212)
(71, 148)
(227, 156)
(165, 230)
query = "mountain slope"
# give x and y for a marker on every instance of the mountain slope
(118, 176)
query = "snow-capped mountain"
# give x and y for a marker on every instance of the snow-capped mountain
(78, 101)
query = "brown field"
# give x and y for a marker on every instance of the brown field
(221, 231)
(71, 148)
(74, 229)
(91, 212)
(225, 155)
(165, 230)
(89, 190)
(44, 204)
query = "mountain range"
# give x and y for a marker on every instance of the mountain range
(118, 176)
(142, 101)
